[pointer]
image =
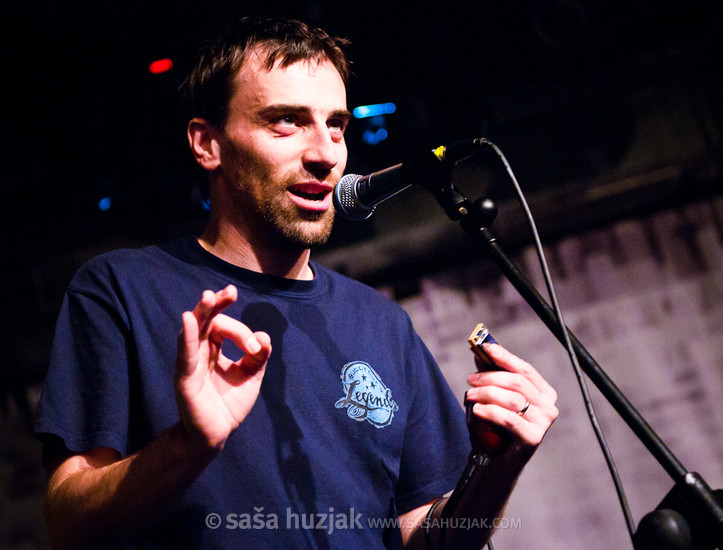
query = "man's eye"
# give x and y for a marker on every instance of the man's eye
(339, 125)
(287, 119)
(285, 124)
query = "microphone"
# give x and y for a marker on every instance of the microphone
(356, 197)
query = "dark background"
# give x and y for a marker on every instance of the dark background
(557, 84)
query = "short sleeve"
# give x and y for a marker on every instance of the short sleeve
(85, 398)
(436, 440)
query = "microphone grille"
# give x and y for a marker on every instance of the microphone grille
(346, 202)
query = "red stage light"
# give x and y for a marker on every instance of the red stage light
(160, 66)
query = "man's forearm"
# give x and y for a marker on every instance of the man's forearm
(104, 506)
(466, 519)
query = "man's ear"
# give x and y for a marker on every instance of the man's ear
(202, 137)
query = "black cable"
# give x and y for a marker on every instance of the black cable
(568, 345)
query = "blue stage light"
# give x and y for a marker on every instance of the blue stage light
(372, 137)
(104, 204)
(366, 111)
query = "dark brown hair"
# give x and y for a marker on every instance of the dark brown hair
(209, 86)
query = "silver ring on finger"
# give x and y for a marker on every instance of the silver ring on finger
(523, 410)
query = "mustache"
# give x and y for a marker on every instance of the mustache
(323, 175)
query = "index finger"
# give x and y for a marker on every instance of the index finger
(211, 304)
(254, 343)
(508, 361)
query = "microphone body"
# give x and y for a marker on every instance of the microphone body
(356, 197)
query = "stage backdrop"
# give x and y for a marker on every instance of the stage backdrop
(645, 297)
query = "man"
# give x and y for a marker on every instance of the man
(158, 440)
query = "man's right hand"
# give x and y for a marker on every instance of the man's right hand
(98, 499)
(214, 393)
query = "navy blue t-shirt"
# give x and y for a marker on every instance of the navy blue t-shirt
(354, 423)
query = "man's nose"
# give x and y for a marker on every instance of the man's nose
(321, 149)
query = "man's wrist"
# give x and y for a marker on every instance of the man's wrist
(191, 446)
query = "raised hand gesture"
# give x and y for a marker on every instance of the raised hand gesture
(215, 393)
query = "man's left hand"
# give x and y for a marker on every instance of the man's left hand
(516, 398)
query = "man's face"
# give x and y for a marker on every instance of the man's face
(283, 150)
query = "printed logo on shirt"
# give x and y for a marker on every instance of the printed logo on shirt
(366, 397)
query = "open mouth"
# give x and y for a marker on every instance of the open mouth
(312, 196)
(309, 191)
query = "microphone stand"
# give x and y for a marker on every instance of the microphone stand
(691, 514)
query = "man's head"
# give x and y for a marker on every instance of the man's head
(270, 115)
(210, 85)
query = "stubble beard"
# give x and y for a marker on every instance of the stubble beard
(275, 220)
(294, 228)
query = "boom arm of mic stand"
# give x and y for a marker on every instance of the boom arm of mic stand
(488, 243)
(475, 220)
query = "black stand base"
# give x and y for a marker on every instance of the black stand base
(677, 524)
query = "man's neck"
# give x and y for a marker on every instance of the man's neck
(234, 247)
